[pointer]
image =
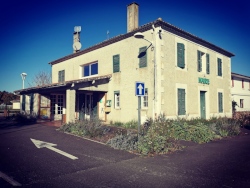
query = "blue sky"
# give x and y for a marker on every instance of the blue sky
(34, 33)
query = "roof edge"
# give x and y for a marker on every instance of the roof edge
(157, 23)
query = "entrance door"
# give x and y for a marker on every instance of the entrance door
(89, 105)
(203, 104)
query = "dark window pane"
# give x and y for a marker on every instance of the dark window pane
(86, 70)
(94, 68)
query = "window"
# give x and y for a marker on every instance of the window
(117, 99)
(241, 103)
(181, 55)
(242, 84)
(56, 104)
(116, 63)
(207, 64)
(220, 102)
(181, 102)
(232, 81)
(219, 66)
(145, 99)
(61, 76)
(142, 57)
(90, 69)
(199, 61)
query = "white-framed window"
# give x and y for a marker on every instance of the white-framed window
(89, 69)
(145, 99)
(117, 99)
(56, 104)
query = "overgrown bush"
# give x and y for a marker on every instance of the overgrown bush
(89, 127)
(127, 141)
(243, 118)
(25, 118)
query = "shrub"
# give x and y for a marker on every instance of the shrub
(25, 118)
(89, 127)
(124, 141)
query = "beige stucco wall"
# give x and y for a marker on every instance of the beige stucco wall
(169, 77)
(174, 77)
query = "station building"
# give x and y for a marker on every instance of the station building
(183, 75)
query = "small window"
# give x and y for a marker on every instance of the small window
(117, 99)
(142, 57)
(242, 84)
(232, 81)
(241, 103)
(181, 102)
(219, 65)
(220, 102)
(90, 69)
(116, 63)
(145, 99)
(207, 64)
(61, 76)
(181, 55)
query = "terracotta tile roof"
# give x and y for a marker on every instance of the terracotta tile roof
(158, 23)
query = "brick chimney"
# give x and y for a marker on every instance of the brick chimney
(132, 16)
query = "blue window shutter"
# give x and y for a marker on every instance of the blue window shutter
(181, 55)
(207, 63)
(199, 61)
(143, 57)
(181, 102)
(116, 63)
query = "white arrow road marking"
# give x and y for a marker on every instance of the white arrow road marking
(140, 89)
(42, 144)
(9, 179)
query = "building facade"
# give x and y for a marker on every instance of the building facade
(241, 91)
(184, 76)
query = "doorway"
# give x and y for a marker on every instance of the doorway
(203, 104)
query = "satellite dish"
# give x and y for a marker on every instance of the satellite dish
(77, 46)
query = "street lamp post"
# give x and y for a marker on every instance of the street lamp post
(23, 75)
(140, 35)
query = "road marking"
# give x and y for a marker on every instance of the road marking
(9, 179)
(41, 144)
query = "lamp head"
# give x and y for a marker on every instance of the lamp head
(23, 75)
(139, 35)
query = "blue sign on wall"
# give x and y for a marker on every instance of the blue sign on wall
(139, 88)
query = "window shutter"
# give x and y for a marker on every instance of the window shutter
(181, 102)
(143, 57)
(116, 63)
(23, 102)
(219, 67)
(31, 102)
(180, 55)
(208, 63)
(220, 99)
(199, 61)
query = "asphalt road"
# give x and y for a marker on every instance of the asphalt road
(223, 163)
